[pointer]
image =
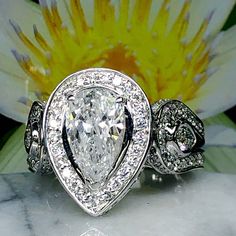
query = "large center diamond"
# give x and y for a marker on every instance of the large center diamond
(95, 127)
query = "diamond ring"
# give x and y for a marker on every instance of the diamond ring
(178, 135)
(94, 133)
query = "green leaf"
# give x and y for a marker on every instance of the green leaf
(220, 119)
(220, 159)
(13, 155)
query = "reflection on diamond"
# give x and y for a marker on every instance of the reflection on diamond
(185, 138)
(95, 127)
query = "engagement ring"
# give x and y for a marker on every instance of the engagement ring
(98, 131)
(95, 130)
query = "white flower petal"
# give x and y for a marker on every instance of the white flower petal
(25, 13)
(9, 65)
(218, 93)
(219, 135)
(11, 94)
(202, 9)
(13, 82)
(227, 42)
(8, 39)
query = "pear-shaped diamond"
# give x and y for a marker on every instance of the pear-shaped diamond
(95, 128)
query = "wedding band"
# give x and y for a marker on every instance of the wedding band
(38, 160)
(95, 133)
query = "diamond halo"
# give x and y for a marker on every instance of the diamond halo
(125, 168)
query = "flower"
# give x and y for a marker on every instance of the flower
(173, 49)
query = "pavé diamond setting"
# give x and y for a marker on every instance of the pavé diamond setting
(178, 135)
(97, 127)
(97, 132)
(37, 155)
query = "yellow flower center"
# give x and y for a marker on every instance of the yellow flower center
(160, 60)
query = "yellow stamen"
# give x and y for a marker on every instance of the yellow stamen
(78, 18)
(161, 60)
(40, 39)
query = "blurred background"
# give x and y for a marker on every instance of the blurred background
(219, 157)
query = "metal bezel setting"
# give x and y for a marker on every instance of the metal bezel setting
(97, 202)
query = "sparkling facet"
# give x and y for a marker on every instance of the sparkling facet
(185, 138)
(95, 127)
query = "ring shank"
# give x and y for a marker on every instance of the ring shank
(38, 159)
